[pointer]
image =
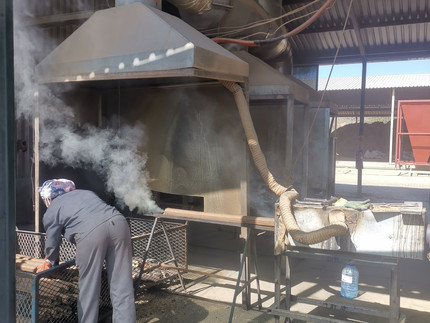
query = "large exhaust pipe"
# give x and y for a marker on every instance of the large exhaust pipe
(287, 195)
(208, 17)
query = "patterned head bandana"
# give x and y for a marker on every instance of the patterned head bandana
(55, 187)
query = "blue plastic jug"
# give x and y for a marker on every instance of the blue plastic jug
(349, 282)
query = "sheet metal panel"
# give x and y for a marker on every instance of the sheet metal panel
(196, 145)
(412, 122)
(392, 230)
(115, 44)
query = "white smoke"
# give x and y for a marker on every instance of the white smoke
(112, 153)
(26, 51)
(116, 157)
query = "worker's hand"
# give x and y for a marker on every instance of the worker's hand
(45, 266)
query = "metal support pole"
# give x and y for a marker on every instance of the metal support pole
(256, 270)
(393, 97)
(239, 276)
(277, 303)
(250, 238)
(36, 132)
(172, 253)
(290, 139)
(245, 273)
(136, 287)
(277, 273)
(394, 296)
(359, 154)
(287, 283)
(7, 165)
(305, 154)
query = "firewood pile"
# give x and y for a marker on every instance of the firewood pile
(153, 271)
(58, 297)
(57, 292)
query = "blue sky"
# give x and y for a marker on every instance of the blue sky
(384, 68)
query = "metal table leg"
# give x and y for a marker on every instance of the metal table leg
(145, 255)
(246, 284)
(392, 313)
(173, 255)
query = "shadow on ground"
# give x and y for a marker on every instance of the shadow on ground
(161, 306)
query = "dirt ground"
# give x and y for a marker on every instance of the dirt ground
(158, 305)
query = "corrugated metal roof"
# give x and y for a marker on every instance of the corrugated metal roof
(388, 30)
(375, 82)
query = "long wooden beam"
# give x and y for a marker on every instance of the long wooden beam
(257, 222)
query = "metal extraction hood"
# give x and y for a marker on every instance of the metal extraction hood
(136, 41)
(264, 80)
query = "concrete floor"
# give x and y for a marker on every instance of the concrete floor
(316, 279)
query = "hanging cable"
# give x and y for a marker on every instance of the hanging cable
(254, 43)
(290, 21)
(225, 31)
(271, 33)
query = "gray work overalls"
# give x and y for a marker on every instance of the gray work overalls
(100, 233)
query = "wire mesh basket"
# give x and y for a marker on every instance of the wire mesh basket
(159, 247)
(51, 296)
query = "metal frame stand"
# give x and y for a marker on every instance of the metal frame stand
(282, 307)
(247, 283)
(251, 224)
(148, 245)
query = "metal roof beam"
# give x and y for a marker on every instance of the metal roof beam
(357, 32)
(373, 54)
(318, 29)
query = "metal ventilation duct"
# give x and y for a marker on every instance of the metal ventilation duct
(136, 41)
(265, 80)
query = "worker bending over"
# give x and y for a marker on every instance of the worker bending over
(100, 233)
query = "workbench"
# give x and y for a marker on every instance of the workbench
(250, 224)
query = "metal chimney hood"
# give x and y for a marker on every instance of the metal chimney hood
(136, 41)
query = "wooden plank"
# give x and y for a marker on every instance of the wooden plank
(27, 263)
(217, 218)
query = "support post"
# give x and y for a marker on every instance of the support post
(7, 165)
(290, 139)
(36, 131)
(277, 273)
(359, 154)
(305, 154)
(394, 296)
(393, 97)
(245, 273)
